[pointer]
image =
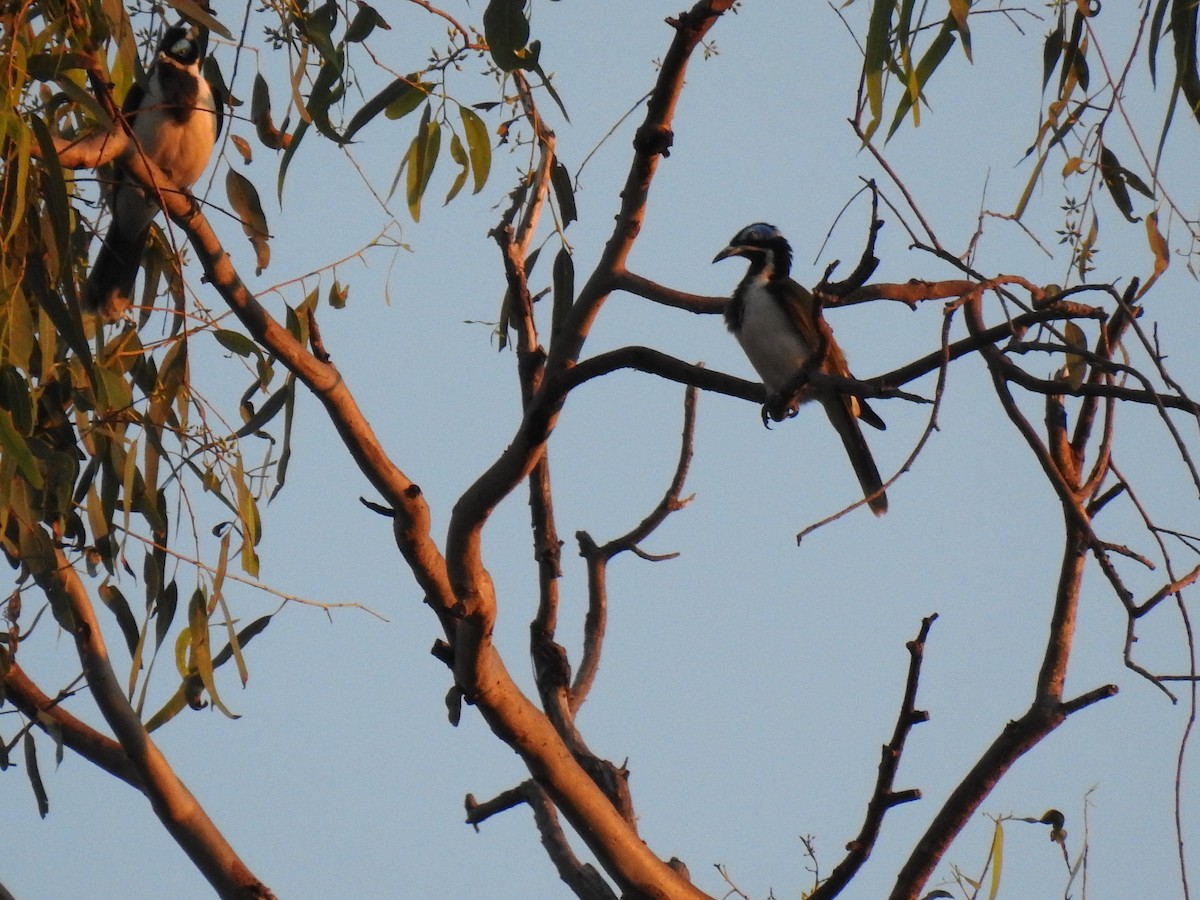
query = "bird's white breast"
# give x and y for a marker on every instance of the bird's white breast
(180, 149)
(769, 339)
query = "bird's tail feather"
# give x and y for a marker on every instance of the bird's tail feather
(109, 289)
(843, 420)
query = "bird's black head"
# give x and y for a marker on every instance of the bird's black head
(764, 246)
(184, 44)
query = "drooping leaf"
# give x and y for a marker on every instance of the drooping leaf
(506, 29)
(1052, 52)
(397, 99)
(1156, 30)
(876, 59)
(260, 116)
(200, 651)
(1113, 175)
(318, 26)
(366, 20)
(959, 11)
(285, 455)
(35, 776)
(997, 860)
(479, 146)
(15, 446)
(458, 153)
(422, 157)
(564, 193)
(243, 197)
(937, 50)
(563, 274)
(259, 418)
(119, 606)
(198, 15)
(164, 612)
(1160, 249)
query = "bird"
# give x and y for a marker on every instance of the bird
(775, 320)
(176, 119)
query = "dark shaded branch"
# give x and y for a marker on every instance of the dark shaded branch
(652, 290)
(884, 797)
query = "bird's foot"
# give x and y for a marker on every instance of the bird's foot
(779, 407)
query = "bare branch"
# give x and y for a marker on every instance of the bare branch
(884, 797)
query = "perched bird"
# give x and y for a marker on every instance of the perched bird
(775, 321)
(176, 120)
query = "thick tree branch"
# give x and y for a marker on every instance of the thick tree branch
(173, 803)
(98, 749)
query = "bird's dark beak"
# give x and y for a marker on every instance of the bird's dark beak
(729, 251)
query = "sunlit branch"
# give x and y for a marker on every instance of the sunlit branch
(598, 557)
(98, 749)
(173, 803)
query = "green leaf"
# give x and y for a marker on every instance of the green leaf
(237, 343)
(563, 274)
(243, 638)
(260, 116)
(243, 197)
(164, 612)
(876, 58)
(507, 32)
(399, 98)
(15, 447)
(1155, 35)
(117, 604)
(366, 20)
(564, 193)
(285, 455)
(170, 710)
(422, 157)
(938, 48)
(318, 26)
(200, 649)
(198, 15)
(458, 153)
(479, 146)
(35, 776)
(1052, 52)
(327, 89)
(1113, 175)
(265, 413)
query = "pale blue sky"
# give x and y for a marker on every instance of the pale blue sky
(749, 683)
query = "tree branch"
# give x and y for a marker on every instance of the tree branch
(884, 797)
(98, 749)
(173, 803)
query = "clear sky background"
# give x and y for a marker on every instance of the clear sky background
(749, 683)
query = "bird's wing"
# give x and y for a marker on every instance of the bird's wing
(799, 304)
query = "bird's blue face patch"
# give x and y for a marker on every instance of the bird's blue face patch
(758, 233)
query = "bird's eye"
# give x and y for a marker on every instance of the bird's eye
(181, 47)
